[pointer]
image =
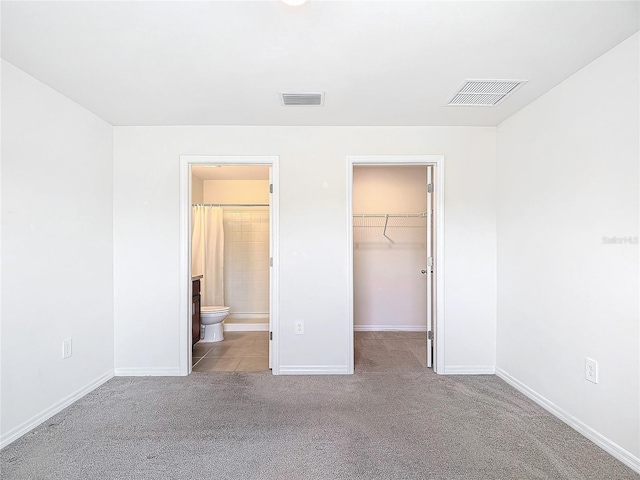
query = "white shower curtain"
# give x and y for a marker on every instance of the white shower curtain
(207, 252)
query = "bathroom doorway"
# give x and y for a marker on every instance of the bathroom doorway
(230, 244)
(395, 204)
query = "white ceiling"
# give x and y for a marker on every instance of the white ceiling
(379, 62)
(235, 172)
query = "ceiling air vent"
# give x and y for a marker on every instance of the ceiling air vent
(484, 93)
(315, 99)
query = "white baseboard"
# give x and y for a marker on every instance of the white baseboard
(246, 327)
(147, 372)
(470, 370)
(46, 414)
(389, 328)
(600, 440)
(313, 370)
(248, 316)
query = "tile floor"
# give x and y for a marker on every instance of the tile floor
(374, 352)
(238, 352)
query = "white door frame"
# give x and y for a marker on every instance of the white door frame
(184, 317)
(397, 160)
(430, 270)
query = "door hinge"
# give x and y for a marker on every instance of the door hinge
(430, 188)
(271, 188)
(270, 335)
(430, 335)
(429, 261)
(271, 261)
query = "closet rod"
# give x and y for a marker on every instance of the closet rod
(230, 205)
(390, 215)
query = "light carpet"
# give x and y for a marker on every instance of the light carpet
(381, 423)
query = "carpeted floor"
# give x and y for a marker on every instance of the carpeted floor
(393, 419)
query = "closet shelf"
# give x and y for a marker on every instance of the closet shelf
(389, 220)
(390, 215)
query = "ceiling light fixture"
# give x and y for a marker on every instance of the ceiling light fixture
(294, 3)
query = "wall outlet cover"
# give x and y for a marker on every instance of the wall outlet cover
(67, 348)
(591, 370)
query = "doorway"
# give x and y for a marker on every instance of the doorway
(235, 272)
(396, 264)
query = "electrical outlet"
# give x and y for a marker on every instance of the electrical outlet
(591, 370)
(299, 327)
(66, 348)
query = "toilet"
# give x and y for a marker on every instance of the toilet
(211, 321)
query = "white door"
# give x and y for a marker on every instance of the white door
(271, 272)
(429, 270)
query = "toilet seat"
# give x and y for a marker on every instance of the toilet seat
(214, 309)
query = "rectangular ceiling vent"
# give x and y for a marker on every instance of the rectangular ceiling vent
(315, 99)
(484, 93)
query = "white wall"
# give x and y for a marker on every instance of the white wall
(57, 239)
(236, 191)
(389, 290)
(567, 178)
(313, 235)
(389, 189)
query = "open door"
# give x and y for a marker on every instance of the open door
(271, 270)
(429, 269)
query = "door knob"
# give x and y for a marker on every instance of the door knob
(423, 272)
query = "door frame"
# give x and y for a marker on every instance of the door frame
(398, 160)
(185, 285)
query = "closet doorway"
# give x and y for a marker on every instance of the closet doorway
(395, 210)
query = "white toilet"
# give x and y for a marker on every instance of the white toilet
(211, 320)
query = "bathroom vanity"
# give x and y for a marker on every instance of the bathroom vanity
(195, 309)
